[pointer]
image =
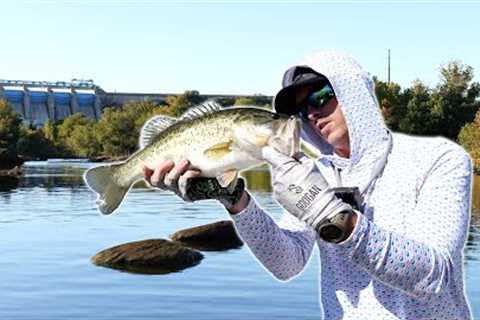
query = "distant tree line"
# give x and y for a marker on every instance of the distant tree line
(114, 135)
(450, 109)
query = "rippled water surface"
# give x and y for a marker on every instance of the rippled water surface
(49, 229)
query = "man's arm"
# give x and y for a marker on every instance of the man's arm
(282, 251)
(428, 259)
(240, 205)
(284, 248)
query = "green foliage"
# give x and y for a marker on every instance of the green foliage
(225, 101)
(455, 98)
(76, 135)
(392, 102)
(50, 131)
(447, 109)
(244, 101)
(118, 129)
(177, 105)
(469, 138)
(116, 132)
(443, 110)
(83, 141)
(141, 111)
(10, 128)
(34, 144)
(417, 116)
(255, 100)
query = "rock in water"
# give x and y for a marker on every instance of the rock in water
(216, 236)
(153, 256)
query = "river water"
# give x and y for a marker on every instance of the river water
(49, 229)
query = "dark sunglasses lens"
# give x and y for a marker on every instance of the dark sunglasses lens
(319, 98)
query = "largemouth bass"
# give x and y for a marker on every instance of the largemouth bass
(218, 142)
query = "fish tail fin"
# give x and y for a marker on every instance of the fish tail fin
(110, 193)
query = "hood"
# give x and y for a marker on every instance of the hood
(355, 93)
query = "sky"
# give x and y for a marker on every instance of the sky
(228, 46)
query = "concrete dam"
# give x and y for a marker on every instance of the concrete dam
(38, 101)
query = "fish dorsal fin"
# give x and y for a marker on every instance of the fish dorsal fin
(152, 128)
(207, 107)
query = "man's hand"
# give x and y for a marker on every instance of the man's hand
(187, 184)
(301, 189)
(168, 176)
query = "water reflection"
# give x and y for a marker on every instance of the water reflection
(149, 270)
(68, 174)
(50, 175)
(472, 248)
(54, 175)
(47, 223)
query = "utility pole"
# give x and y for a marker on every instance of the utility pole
(388, 67)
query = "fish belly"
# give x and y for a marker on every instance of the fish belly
(236, 160)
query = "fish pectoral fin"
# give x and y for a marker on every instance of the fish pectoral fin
(219, 150)
(228, 178)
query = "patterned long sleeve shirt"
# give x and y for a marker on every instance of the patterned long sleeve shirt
(404, 258)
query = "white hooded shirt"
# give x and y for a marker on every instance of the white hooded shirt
(404, 258)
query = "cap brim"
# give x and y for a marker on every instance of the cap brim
(285, 100)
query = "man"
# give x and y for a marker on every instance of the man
(396, 253)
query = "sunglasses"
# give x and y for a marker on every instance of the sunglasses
(317, 100)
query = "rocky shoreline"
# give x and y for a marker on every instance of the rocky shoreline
(13, 172)
(10, 165)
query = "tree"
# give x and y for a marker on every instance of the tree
(34, 144)
(257, 100)
(140, 111)
(83, 141)
(10, 128)
(177, 105)
(392, 102)
(469, 138)
(119, 129)
(443, 110)
(455, 99)
(116, 133)
(419, 117)
(50, 131)
(76, 134)
(244, 101)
